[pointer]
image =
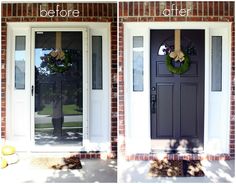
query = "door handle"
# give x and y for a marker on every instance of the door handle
(32, 90)
(153, 103)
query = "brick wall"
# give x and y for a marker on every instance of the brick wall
(152, 12)
(89, 12)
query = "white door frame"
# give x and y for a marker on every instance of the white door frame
(139, 102)
(85, 84)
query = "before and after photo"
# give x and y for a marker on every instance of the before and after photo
(117, 91)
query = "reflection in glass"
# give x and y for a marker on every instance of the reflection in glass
(137, 63)
(163, 50)
(20, 57)
(137, 41)
(58, 93)
(96, 62)
(216, 64)
(167, 46)
(138, 70)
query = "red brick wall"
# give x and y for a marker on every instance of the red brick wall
(89, 12)
(152, 12)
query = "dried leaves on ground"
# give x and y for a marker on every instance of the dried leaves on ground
(175, 168)
(72, 162)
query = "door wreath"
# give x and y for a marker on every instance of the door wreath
(57, 61)
(178, 56)
(178, 70)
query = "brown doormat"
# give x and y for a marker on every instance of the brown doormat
(72, 162)
(178, 168)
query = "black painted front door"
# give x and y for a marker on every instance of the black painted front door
(177, 101)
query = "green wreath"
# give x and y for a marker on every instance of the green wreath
(57, 61)
(178, 70)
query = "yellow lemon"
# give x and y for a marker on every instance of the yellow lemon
(8, 150)
(3, 163)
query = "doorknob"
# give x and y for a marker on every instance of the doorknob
(153, 103)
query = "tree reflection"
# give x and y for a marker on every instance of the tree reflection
(55, 91)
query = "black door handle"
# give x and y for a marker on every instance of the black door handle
(32, 90)
(153, 103)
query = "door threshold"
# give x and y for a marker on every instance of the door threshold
(84, 148)
(57, 148)
(45, 154)
(23, 146)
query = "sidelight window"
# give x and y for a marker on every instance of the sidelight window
(96, 62)
(138, 63)
(216, 64)
(20, 57)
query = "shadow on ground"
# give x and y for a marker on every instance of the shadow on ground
(215, 171)
(99, 171)
(94, 170)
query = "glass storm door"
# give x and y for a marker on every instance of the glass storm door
(58, 88)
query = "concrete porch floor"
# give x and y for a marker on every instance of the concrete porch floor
(94, 170)
(215, 172)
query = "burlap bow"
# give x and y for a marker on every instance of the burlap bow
(177, 54)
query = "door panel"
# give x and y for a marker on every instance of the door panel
(178, 112)
(165, 110)
(188, 112)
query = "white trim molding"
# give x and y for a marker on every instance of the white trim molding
(216, 104)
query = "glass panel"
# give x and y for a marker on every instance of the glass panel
(97, 62)
(167, 46)
(58, 88)
(216, 81)
(138, 70)
(163, 50)
(20, 57)
(20, 42)
(137, 41)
